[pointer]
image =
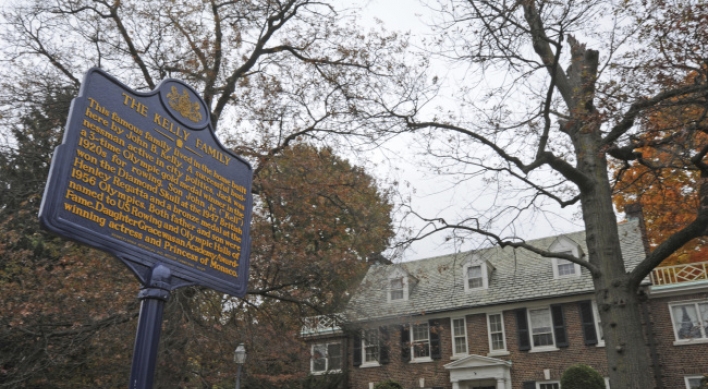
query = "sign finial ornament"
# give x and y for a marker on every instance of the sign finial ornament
(183, 105)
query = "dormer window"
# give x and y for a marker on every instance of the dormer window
(398, 286)
(475, 279)
(563, 268)
(476, 274)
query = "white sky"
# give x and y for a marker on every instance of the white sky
(427, 191)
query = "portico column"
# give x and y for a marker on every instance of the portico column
(500, 383)
(456, 384)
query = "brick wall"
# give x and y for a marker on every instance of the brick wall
(530, 366)
(527, 366)
(675, 361)
(407, 374)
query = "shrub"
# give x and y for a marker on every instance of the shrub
(388, 384)
(582, 377)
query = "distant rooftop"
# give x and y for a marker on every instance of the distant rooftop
(518, 275)
(437, 284)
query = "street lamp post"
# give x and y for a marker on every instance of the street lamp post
(240, 359)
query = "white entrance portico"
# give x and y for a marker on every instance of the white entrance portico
(476, 371)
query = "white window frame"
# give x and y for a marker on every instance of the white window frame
(688, 378)
(365, 345)
(326, 358)
(539, 383)
(503, 350)
(558, 262)
(562, 263)
(454, 336)
(395, 275)
(701, 327)
(395, 290)
(423, 358)
(485, 269)
(565, 246)
(477, 279)
(547, 347)
(598, 328)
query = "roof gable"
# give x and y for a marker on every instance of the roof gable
(563, 243)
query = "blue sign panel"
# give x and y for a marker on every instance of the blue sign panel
(143, 176)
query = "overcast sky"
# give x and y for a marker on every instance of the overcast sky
(431, 195)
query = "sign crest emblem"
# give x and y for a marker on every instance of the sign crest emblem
(183, 105)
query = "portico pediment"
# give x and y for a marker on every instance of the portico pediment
(477, 361)
(478, 368)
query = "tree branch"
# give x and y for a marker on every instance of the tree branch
(641, 104)
(542, 47)
(694, 230)
(131, 46)
(564, 168)
(439, 224)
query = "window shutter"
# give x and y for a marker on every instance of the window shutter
(529, 385)
(559, 325)
(384, 346)
(434, 333)
(587, 318)
(356, 357)
(522, 327)
(405, 343)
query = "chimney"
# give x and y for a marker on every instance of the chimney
(635, 211)
(376, 259)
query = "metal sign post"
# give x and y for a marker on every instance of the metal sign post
(154, 296)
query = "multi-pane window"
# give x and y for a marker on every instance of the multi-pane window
(690, 320)
(396, 287)
(370, 346)
(565, 267)
(548, 385)
(326, 357)
(459, 336)
(421, 340)
(496, 332)
(475, 278)
(541, 327)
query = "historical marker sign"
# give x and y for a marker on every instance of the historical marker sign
(143, 176)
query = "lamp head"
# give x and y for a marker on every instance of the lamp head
(240, 354)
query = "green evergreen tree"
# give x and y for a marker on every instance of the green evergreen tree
(582, 377)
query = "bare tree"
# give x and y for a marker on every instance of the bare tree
(280, 79)
(554, 112)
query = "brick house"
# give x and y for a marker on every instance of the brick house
(504, 318)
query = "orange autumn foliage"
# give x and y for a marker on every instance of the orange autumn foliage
(665, 181)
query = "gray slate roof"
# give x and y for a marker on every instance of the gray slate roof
(518, 275)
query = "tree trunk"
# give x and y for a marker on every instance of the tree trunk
(618, 300)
